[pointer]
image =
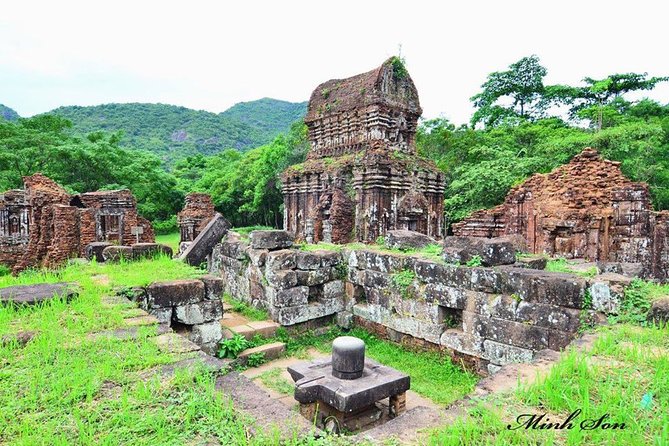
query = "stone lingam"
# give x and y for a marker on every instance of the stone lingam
(342, 391)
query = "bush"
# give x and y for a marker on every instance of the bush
(165, 226)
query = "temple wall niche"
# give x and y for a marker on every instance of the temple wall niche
(362, 134)
(584, 209)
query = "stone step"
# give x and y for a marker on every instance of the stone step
(266, 329)
(270, 351)
(232, 320)
(243, 330)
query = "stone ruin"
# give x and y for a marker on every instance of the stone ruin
(43, 226)
(584, 209)
(485, 316)
(193, 218)
(362, 176)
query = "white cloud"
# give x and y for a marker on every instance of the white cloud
(209, 55)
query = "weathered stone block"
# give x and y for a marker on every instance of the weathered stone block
(266, 329)
(532, 262)
(94, 250)
(334, 290)
(175, 292)
(214, 287)
(269, 351)
(282, 259)
(430, 272)
(207, 333)
(344, 319)
(164, 315)
(304, 313)
(659, 312)
(202, 246)
(117, 253)
(491, 251)
(501, 354)
(603, 299)
(387, 263)
(273, 239)
(291, 297)
(544, 287)
(314, 277)
(403, 239)
(373, 279)
(199, 313)
(445, 295)
(307, 260)
(329, 258)
(257, 256)
(281, 279)
(234, 248)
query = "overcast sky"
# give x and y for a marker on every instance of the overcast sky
(211, 54)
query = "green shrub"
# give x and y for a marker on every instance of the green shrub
(231, 348)
(256, 359)
(165, 226)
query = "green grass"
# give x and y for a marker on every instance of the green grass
(246, 310)
(274, 380)
(65, 387)
(172, 240)
(561, 265)
(625, 364)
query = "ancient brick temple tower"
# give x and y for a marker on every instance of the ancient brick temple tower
(584, 209)
(362, 176)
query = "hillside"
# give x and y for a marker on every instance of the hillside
(8, 114)
(174, 132)
(269, 115)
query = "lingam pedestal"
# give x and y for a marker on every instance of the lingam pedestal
(342, 391)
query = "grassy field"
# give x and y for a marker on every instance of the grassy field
(172, 240)
(625, 375)
(66, 387)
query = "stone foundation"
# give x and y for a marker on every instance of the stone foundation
(194, 306)
(489, 316)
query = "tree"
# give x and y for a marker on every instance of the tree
(599, 98)
(522, 83)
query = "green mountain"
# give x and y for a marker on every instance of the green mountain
(8, 114)
(174, 132)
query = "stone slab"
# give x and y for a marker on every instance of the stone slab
(270, 351)
(174, 343)
(34, 294)
(201, 247)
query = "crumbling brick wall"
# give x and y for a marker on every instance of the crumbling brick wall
(55, 226)
(197, 212)
(14, 226)
(584, 209)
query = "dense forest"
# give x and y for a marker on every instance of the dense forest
(173, 132)
(521, 126)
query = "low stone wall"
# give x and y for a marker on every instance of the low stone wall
(194, 305)
(293, 286)
(494, 315)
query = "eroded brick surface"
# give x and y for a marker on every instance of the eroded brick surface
(584, 209)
